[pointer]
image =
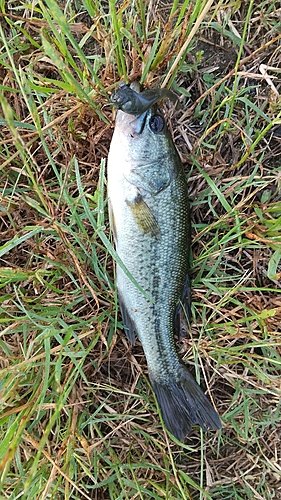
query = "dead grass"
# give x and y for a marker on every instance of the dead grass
(78, 419)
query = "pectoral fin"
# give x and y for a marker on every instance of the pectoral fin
(143, 217)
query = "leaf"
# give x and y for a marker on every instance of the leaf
(17, 240)
(273, 264)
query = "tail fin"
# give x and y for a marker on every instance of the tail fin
(183, 404)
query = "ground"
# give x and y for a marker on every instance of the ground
(78, 416)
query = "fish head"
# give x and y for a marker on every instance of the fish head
(142, 139)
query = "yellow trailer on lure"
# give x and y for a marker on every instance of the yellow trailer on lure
(149, 215)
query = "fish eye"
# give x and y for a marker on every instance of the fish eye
(156, 124)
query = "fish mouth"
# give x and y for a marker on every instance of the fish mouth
(138, 123)
(131, 126)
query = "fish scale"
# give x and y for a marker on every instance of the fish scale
(149, 216)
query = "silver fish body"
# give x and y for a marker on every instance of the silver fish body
(149, 215)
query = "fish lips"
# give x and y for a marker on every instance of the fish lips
(131, 125)
(138, 123)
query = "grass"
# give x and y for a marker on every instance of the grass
(78, 417)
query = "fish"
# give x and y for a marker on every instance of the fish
(150, 221)
(134, 102)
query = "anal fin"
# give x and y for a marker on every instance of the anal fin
(183, 310)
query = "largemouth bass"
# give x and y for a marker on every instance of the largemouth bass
(149, 216)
